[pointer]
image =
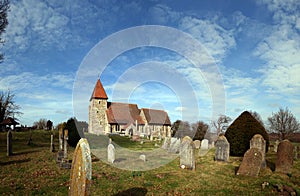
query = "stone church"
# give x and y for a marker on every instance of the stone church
(125, 118)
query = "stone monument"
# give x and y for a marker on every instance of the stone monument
(81, 171)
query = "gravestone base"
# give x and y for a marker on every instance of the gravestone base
(65, 164)
(60, 156)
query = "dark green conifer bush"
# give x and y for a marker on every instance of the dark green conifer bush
(240, 132)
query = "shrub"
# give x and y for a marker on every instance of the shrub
(241, 131)
(73, 135)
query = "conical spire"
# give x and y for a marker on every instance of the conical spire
(99, 92)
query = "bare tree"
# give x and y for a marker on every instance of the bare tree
(221, 123)
(4, 7)
(199, 128)
(283, 122)
(257, 117)
(41, 124)
(8, 107)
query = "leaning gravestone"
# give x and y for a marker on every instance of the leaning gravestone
(197, 144)
(66, 143)
(204, 144)
(284, 160)
(187, 154)
(9, 143)
(81, 171)
(251, 163)
(111, 153)
(259, 142)
(222, 149)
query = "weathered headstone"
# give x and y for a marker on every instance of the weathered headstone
(151, 137)
(296, 152)
(109, 141)
(175, 146)
(111, 153)
(60, 139)
(9, 143)
(81, 171)
(65, 144)
(197, 144)
(52, 149)
(143, 157)
(187, 154)
(222, 149)
(166, 143)
(284, 160)
(276, 145)
(251, 163)
(204, 144)
(259, 142)
(212, 144)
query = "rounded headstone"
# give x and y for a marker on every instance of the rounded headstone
(81, 170)
(251, 163)
(284, 160)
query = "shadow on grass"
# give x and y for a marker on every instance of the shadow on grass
(270, 165)
(136, 191)
(15, 162)
(27, 152)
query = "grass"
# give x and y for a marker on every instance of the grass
(32, 171)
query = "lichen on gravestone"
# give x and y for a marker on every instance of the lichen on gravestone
(81, 171)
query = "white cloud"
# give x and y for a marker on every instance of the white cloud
(216, 39)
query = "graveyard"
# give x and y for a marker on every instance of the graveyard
(32, 169)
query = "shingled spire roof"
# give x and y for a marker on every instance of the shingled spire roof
(99, 92)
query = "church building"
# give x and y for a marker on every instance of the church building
(125, 118)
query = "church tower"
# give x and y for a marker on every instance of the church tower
(98, 122)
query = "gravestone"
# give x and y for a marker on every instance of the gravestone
(65, 144)
(9, 143)
(52, 149)
(296, 152)
(166, 143)
(251, 163)
(284, 160)
(259, 142)
(212, 144)
(142, 157)
(276, 145)
(60, 137)
(175, 146)
(187, 154)
(109, 141)
(204, 144)
(222, 149)
(197, 144)
(186, 138)
(81, 171)
(111, 153)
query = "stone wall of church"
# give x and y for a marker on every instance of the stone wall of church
(97, 117)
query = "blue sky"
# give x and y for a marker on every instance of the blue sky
(254, 44)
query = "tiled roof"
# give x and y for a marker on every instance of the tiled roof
(99, 92)
(9, 121)
(123, 113)
(158, 117)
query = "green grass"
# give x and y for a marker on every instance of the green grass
(32, 171)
